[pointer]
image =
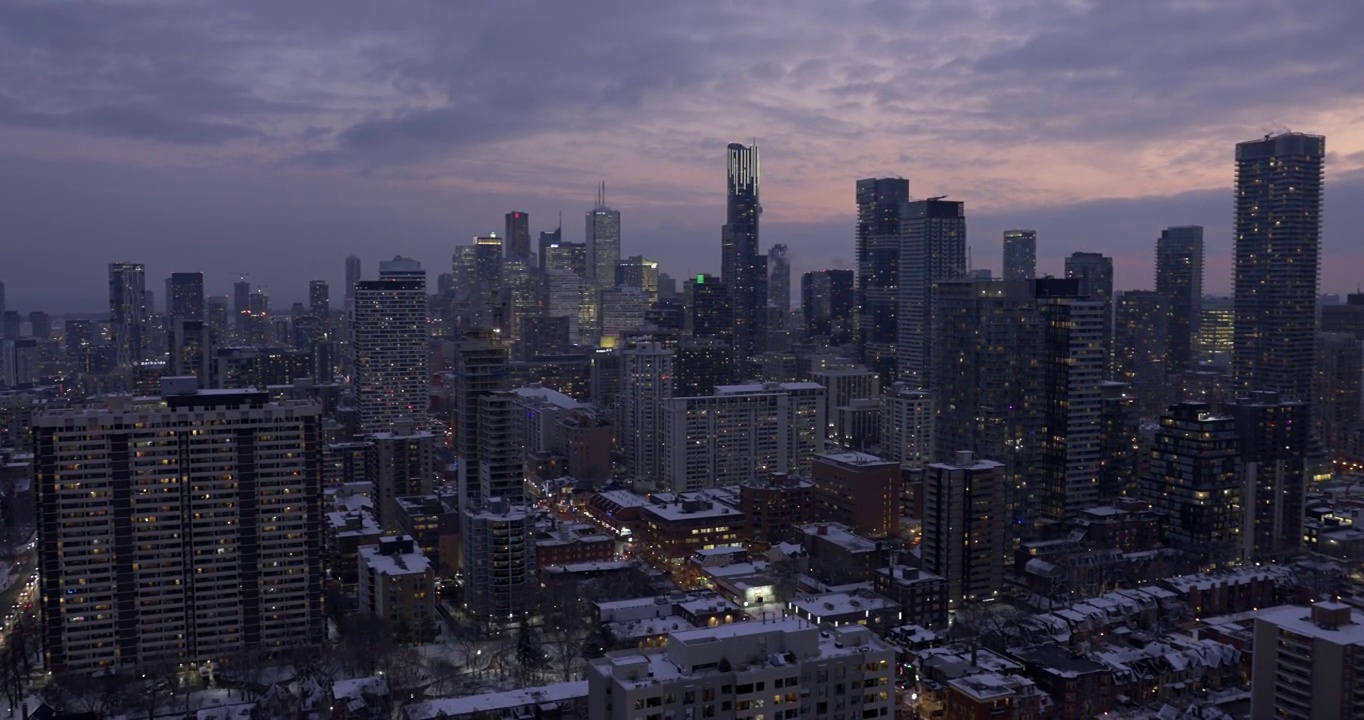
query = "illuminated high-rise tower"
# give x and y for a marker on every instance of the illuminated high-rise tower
(1179, 283)
(879, 201)
(388, 346)
(743, 267)
(1020, 254)
(518, 235)
(1278, 245)
(603, 242)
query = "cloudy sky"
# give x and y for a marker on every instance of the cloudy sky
(275, 137)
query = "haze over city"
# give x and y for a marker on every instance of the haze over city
(275, 139)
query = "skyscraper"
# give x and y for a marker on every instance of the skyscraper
(828, 301)
(932, 249)
(548, 239)
(779, 281)
(877, 237)
(480, 367)
(388, 346)
(1073, 369)
(1095, 273)
(352, 274)
(518, 235)
(1020, 254)
(1139, 340)
(603, 242)
(127, 311)
(319, 299)
(185, 296)
(215, 496)
(743, 266)
(1278, 241)
(1179, 282)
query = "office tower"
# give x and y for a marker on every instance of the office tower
(352, 274)
(1278, 241)
(743, 266)
(567, 256)
(127, 312)
(488, 262)
(80, 336)
(702, 365)
(1194, 481)
(712, 309)
(699, 673)
(859, 490)
(1073, 368)
(906, 424)
(637, 272)
(1020, 254)
(481, 367)
(1179, 283)
(391, 378)
(401, 463)
(215, 312)
(518, 235)
(603, 242)
(1139, 348)
(667, 287)
(932, 249)
(1095, 273)
(40, 325)
(1308, 663)
(319, 299)
(548, 239)
(1336, 394)
(739, 434)
(779, 281)
(2, 306)
(964, 527)
(185, 296)
(829, 304)
(214, 496)
(646, 381)
(879, 203)
(1274, 434)
(1217, 331)
(620, 311)
(563, 293)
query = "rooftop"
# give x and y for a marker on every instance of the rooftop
(1298, 619)
(410, 563)
(494, 702)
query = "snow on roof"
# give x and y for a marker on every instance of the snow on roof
(494, 702)
(357, 688)
(841, 603)
(409, 563)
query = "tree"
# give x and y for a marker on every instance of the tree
(529, 657)
(366, 639)
(404, 670)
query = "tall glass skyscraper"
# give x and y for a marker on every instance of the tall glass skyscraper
(743, 267)
(603, 242)
(1278, 245)
(879, 201)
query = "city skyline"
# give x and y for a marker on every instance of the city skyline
(392, 156)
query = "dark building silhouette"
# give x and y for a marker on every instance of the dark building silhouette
(1274, 435)
(1095, 273)
(1179, 282)
(518, 235)
(828, 301)
(1195, 482)
(1020, 254)
(879, 202)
